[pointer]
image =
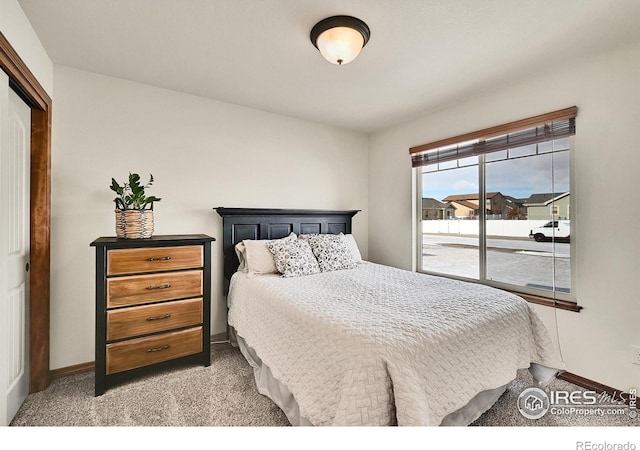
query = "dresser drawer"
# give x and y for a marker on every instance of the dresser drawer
(138, 320)
(140, 289)
(141, 352)
(154, 259)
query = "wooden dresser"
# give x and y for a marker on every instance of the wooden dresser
(153, 305)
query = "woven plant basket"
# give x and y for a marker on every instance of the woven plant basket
(134, 223)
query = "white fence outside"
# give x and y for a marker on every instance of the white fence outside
(506, 228)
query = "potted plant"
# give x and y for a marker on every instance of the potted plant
(134, 210)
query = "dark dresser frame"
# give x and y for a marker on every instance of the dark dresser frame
(102, 245)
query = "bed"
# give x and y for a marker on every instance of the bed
(351, 342)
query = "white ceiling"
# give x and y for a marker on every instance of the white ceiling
(423, 54)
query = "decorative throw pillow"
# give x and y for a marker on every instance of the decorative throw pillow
(258, 258)
(332, 252)
(353, 246)
(293, 258)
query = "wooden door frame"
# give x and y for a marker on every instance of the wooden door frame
(22, 80)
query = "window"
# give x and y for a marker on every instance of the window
(505, 197)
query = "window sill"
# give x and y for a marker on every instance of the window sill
(553, 303)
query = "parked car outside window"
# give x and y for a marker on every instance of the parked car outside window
(555, 229)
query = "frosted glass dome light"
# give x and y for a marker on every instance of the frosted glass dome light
(340, 38)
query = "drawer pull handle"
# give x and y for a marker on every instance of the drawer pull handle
(157, 349)
(164, 258)
(166, 316)
(162, 286)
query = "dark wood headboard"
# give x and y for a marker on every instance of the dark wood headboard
(261, 223)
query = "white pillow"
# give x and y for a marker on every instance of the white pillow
(353, 246)
(241, 253)
(258, 258)
(294, 258)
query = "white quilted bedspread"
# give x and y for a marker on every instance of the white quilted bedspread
(377, 345)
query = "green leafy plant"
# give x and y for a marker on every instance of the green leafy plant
(131, 195)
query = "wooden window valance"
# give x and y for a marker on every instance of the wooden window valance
(533, 130)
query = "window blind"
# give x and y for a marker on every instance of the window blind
(534, 130)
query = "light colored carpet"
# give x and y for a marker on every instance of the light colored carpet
(223, 394)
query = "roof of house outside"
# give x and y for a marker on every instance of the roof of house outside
(476, 196)
(432, 203)
(543, 199)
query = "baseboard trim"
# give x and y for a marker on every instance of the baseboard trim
(220, 337)
(616, 394)
(72, 370)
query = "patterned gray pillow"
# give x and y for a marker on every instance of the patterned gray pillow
(293, 258)
(332, 251)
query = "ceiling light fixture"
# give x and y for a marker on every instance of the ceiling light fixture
(340, 38)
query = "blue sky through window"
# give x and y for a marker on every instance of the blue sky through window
(518, 178)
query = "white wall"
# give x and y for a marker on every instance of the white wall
(596, 342)
(16, 28)
(202, 154)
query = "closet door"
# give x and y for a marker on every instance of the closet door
(15, 137)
